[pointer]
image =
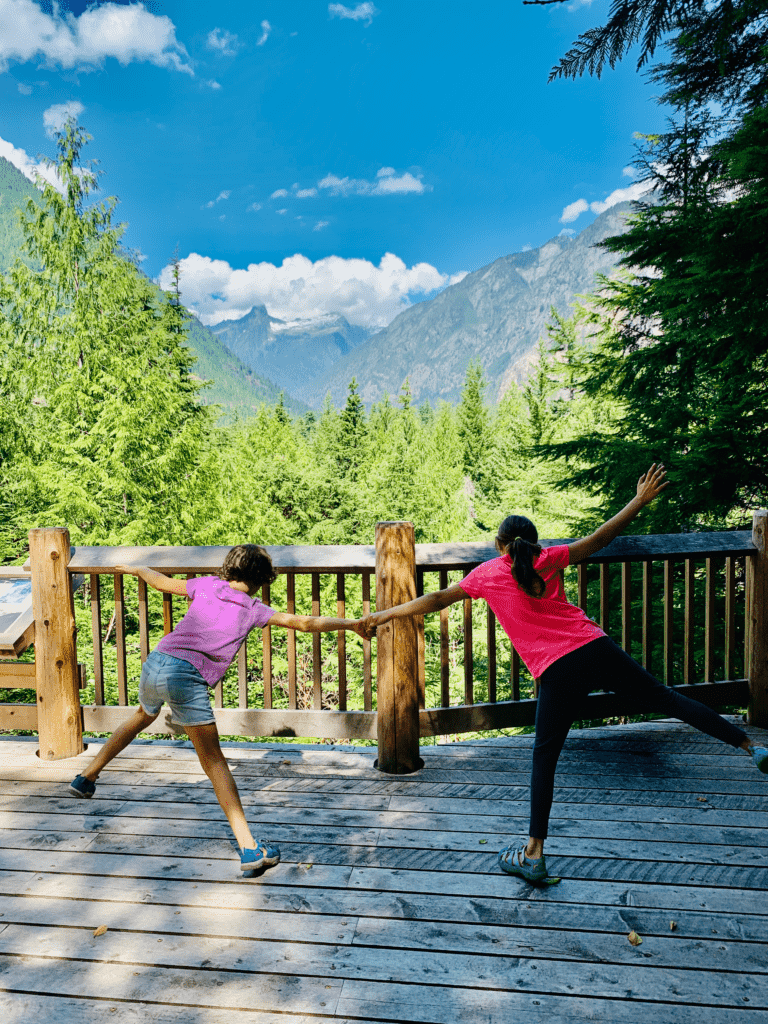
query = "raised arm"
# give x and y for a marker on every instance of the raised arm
(649, 486)
(156, 580)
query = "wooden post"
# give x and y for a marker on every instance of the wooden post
(57, 678)
(397, 661)
(757, 587)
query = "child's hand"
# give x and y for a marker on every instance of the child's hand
(366, 627)
(128, 570)
(651, 484)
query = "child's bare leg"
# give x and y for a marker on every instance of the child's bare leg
(118, 741)
(206, 742)
(535, 848)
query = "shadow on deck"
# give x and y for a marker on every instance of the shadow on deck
(388, 904)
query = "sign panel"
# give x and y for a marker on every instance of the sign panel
(17, 621)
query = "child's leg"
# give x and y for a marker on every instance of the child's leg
(118, 741)
(205, 739)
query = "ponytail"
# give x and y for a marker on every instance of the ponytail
(518, 538)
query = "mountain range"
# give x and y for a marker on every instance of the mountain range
(495, 314)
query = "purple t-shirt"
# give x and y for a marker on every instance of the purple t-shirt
(217, 621)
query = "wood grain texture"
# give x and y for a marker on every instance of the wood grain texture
(388, 904)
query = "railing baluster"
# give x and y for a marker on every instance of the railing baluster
(605, 595)
(167, 614)
(421, 643)
(122, 668)
(709, 624)
(445, 668)
(626, 606)
(669, 596)
(647, 614)
(581, 570)
(290, 604)
(242, 675)
(367, 687)
(98, 653)
(266, 652)
(317, 664)
(341, 605)
(469, 687)
(730, 617)
(514, 672)
(143, 621)
(491, 646)
(688, 661)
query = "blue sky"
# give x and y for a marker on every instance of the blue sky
(319, 156)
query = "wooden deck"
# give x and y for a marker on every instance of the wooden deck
(388, 905)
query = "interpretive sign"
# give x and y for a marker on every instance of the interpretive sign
(17, 622)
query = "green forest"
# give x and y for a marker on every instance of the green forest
(102, 427)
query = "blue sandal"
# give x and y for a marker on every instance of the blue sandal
(760, 757)
(84, 788)
(266, 855)
(515, 861)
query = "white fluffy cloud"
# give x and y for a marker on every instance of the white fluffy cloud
(29, 168)
(266, 28)
(620, 195)
(219, 198)
(320, 225)
(388, 182)
(223, 41)
(127, 33)
(280, 193)
(55, 117)
(366, 294)
(363, 12)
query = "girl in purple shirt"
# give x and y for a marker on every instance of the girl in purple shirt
(194, 656)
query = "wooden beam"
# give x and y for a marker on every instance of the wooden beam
(397, 656)
(338, 725)
(356, 558)
(757, 672)
(18, 716)
(57, 674)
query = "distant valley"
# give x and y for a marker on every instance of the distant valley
(495, 314)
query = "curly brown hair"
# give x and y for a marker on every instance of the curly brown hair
(248, 563)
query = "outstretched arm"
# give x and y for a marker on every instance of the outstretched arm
(649, 486)
(316, 623)
(420, 606)
(156, 580)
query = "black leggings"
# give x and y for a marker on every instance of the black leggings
(601, 665)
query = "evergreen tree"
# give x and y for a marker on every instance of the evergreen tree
(97, 372)
(474, 421)
(537, 392)
(352, 438)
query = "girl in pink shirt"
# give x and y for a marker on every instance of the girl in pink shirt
(565, 651)
(194, 657)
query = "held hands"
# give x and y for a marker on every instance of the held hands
(651, 484)
(366, 627)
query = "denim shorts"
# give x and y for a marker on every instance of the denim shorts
(165, 679)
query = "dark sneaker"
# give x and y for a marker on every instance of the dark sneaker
(266, 855)
(514, 861)
(760, 757)
(84, 788)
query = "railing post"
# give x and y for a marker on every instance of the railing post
(59, 716)
(397, 664)
(757, 597)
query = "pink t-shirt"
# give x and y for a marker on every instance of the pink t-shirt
(217, 621)
(542, 629)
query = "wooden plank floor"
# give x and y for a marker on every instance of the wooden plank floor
(388, 904)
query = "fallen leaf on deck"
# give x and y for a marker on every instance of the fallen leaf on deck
(99, 931)
(673, 926)
(701, 799)
(482, 841)
(634, 938)
(285, 762)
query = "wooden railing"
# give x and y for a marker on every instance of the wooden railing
(693, 608)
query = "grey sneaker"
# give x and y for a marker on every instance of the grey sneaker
(84, 788)
(514, 861)
(760, 757)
